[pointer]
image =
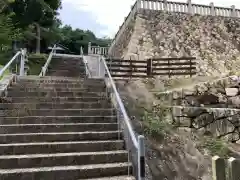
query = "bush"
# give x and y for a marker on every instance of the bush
(156, 123)
(36, 62)
(216, 147)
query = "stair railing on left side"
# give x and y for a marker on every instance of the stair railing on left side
(22, 54)
(45, 67)
(135, 146)
(87, 69)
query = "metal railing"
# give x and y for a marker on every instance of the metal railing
(135, 144)
(88, 72)
(45, 67)
(22, 54)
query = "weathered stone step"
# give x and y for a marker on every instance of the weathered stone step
(67, 172)
(18, 88)
(53, 99)
(60, 137)
(69, 127)
(27, 111)
(91, 87)
(52, 105)
(57, 119)
(113, 178)
(66, 73)
(62, 159)
(55, 94)
(60, 147)
(49, 79)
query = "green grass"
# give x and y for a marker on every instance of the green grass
(36, 62)
(7, 72)
(215, 146)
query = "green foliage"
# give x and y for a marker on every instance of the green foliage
(32, 11)
(7, 72)
(74, 39)
(36, 62)
(215, 146)
(155, 122)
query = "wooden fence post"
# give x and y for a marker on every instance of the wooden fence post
(131, 67)
(149, 67)
(218, 168)
(169, 73)
(190, 67)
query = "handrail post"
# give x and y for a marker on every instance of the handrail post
(22, 63)
(89, 48)
(141, 158)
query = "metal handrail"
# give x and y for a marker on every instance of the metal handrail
(120, 103)
(88, 72)
(137, 142)
(44, 68)
(21, 53)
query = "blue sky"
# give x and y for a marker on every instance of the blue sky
(104, 17)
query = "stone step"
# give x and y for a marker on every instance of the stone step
(66, 70)
(113, 178)
(60, 147)
(53, 99)
(60, 137)
(52, 105)
(17, 88)
(69, 127)
(90, 86)
(67, 172)
(66, 73)
(47, 79)
(55, 94)
(57, 119)
(62, 159)
(27, 111)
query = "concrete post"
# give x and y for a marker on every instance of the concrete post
(165, 5)
(218, 168)
(89, 48)
(141, 158)
(233, 169)
(190, 10)
(233, 11)
(212, 11)
(139, 5)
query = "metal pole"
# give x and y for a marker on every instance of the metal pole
(22, 63)
(141, 158)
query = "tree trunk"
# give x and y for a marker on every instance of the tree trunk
(38, 40)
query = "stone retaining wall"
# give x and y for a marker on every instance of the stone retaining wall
(214, 41)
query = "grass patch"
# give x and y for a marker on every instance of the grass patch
(7, 72)
(36, 62)
(215, 146)
(156, 122)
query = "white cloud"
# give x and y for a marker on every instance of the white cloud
(111, 13)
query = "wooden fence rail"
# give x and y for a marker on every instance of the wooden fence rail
(152, 67)
(225, 169)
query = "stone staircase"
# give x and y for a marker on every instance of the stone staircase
(58, 128)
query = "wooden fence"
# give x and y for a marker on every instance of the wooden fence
(225, 169)
(121, 68)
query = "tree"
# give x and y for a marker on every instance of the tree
(38, 13)
(74, 39)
